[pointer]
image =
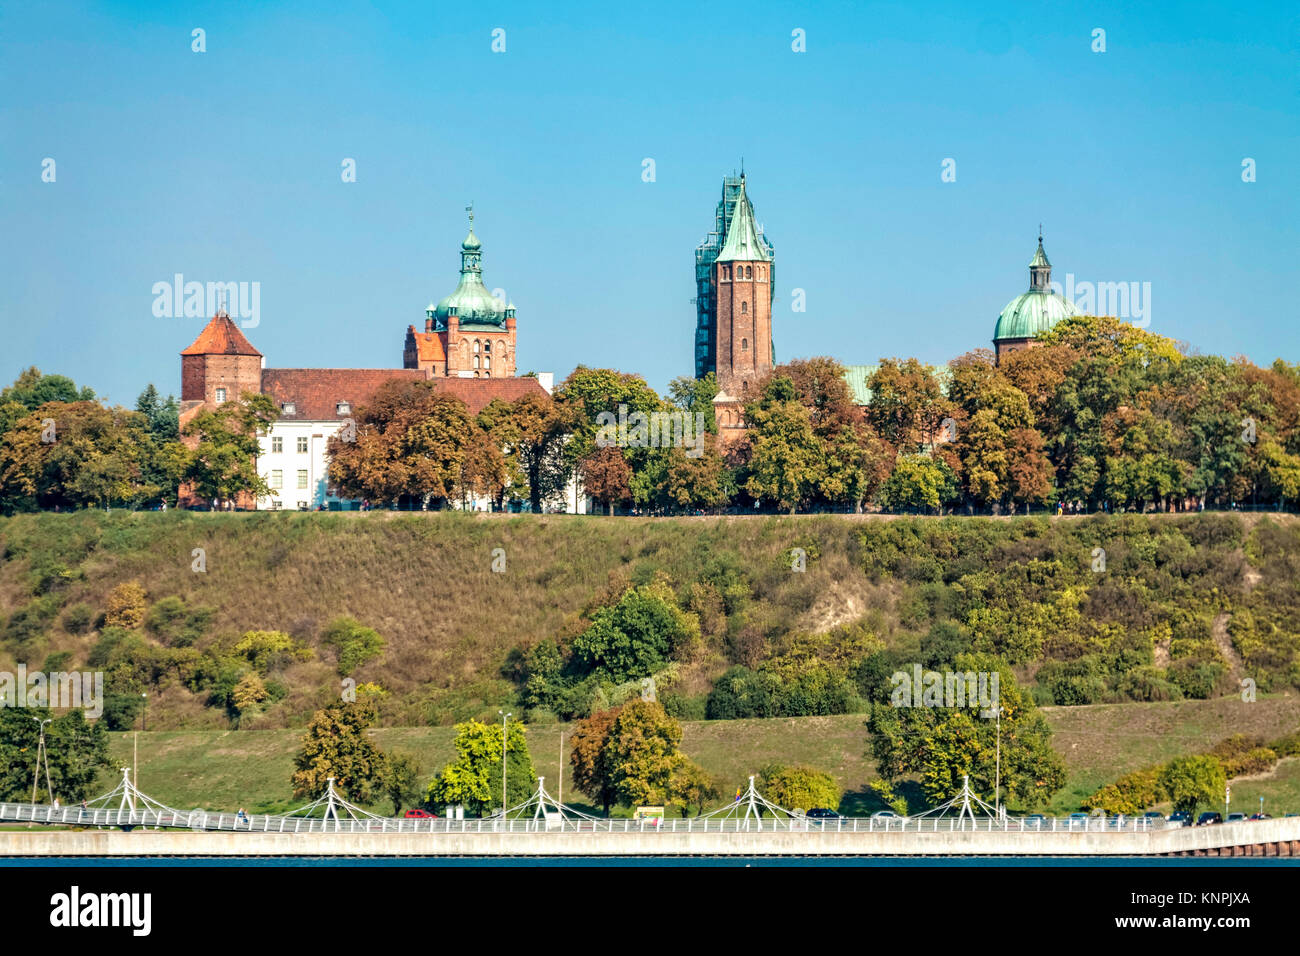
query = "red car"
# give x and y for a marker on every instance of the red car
(418, 814)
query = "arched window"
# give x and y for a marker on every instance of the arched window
(744, 308)
(744, 345)
(476, 361)
(487, 361)
(487, 346)
(476, 346)
(749, 272)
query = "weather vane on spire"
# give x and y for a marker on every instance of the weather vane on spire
(470, 209)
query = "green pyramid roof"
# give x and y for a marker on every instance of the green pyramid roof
(743, 240)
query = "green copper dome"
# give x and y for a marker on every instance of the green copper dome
(1030, 313)
(1035, 311)
(473, 303)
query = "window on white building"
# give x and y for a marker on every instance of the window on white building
(277, 446)
(289, 408)
(277, 478)
(302, 445)
(302, 477)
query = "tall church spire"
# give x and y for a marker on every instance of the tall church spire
(1040, 270)
(743, 239)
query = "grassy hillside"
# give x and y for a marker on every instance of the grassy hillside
(1186, 606)
(230, 769)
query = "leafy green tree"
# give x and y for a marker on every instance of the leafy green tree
(787, 460)
(473, 779)
(77, 753)
(32, 389)
(336, 745)
(919, 483)
(634, 637)
(402, 781)
(800, 787)
(223, 464)
(941, 745)
(535, 432)
(1191, 782)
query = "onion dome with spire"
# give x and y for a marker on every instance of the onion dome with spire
(470, 301)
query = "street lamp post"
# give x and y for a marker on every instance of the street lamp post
(41, 752)
(504, 718)
(997, 773)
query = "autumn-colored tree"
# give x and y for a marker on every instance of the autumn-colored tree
(534, 431)
(410, 443)
(643, 753)
(126, 606)
(589, 758)
(690, 786)
(800, 787)
(907, 405)
(606, 476)
(820, 386)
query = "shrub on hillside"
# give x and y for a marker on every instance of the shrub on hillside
(1131, 794)
(1198, 679)
(29, 623)
(354, 642)
(77, 618)
(174, 623)
(126, 606)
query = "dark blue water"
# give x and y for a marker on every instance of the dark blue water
(662, 861)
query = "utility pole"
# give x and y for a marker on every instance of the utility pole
(560, 799)
(504, 718)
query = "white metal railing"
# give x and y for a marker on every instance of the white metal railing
(267, 823)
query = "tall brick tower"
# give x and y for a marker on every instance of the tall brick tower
(741, 280)
(706, 257)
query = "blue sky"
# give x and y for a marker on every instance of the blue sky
(225, 165)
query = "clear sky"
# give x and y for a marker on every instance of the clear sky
(226, 166)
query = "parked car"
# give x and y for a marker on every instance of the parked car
(1261, 816)
(1154, 816)
(885, 815)
(1236, 817)
(1209, 818)
(1181, 817)
(822, 813)
(416, 813)
(1035, 821)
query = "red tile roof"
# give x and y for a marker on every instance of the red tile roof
(477, 393)
(316, 393)
(221, 337)
(428, 347)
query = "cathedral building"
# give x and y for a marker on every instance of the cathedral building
(467, 350)
(469, 333)
(734, 270)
